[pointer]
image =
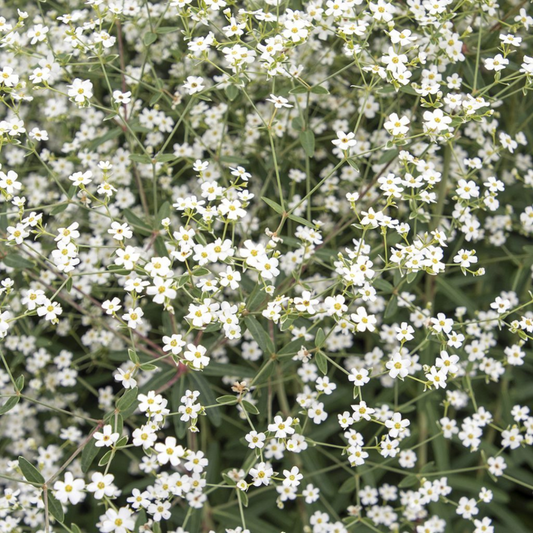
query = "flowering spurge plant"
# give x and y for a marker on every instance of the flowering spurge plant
(266, 266)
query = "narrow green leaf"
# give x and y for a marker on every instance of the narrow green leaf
(165, 158)
(90, 451)
(383, 285)
(320, 338)
(391, 308)
(277, 208)
(140, 158)
(408, 481)
(348, 486)
(19, 383)
(129, 397)
(250, 407)
(132, 354)
(17, 261)
(307, 140)
(106, 458)
(133, 219)
(207, 394)
(318, 89)
(260, 335)
(227, 399)
(164, 212)
(321, 362)
(232, 92)
(55, 508)
(30, 472)
(149, 38)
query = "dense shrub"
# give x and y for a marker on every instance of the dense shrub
(266, 266)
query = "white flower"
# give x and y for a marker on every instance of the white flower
(396, 125)
(80, 91)
(102, 485)
(344, 141)
(120, 521)
(120, 231)
(106, 437)
(396, 425)
(363, 320)
(496, 63)
(261, 474)
(280, 427)
(111, 306)
(292, 477)
(278, 101)
(255, 440)
(169, 451)
(70, 489)
(467, 508)
(194, 84)
(133, 317)
(174, 344)
(196, 356)
(359, 377)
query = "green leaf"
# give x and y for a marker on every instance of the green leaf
(223, 369)
(128, 398)
(159, 247)
(30, 472)
(121, 442)
(59, 209)
(320, 338)
(321, 362)
(75, 528)
(318, 89)
(119, 270)
(391, 308)
(155, 98)
(208, 397)
(383, 285)
(110, 135)
(249, 407)
(106, 458)
(17, 261)
(348, 486)
(259, 335)
(165, 158)
(243, 497)
(167, 29)
(277, 208)
(132, 354)
(234, 160)
(307, 140)
(149, 38)
(388, 156)
(19, 383)
(90, 451)
(140, 158)
(353, 164)
(55, 508)
(301, 220)
(232, 92)
(299, 90)
(408, 481)
(180, 427)
(140, 225)
(457, 296)
(164, 212)
(227, 399)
